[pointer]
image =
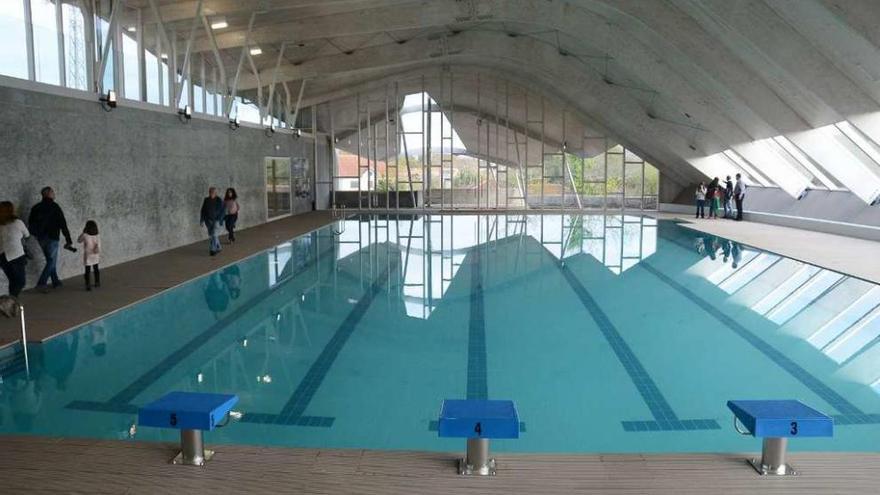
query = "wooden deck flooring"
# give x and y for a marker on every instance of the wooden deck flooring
(131, 282)
(50, 465)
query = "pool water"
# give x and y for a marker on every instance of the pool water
(611, 334)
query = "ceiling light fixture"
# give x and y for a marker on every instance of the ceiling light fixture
(131, 29)
(219, 23)
(255, 50)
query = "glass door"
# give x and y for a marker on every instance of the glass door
(278, 190)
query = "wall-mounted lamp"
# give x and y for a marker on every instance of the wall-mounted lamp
(108, 101)
(296, 133)
(234, 123)
(270, 130)
(185, 114)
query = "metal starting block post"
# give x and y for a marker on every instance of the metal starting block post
(478, 421)
(191, 413)
(776, 421)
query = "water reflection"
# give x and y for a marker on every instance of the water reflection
(837, 314)
(433, 247)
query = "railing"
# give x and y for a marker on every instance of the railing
(27, 367)
(339, 219)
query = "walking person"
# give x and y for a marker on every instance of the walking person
(91, 242)
(700, 195)
(728, 198)
(739, 194)
(212, 218)
(12, 255)
(230, 208)
(46, 222)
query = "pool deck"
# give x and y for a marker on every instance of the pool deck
(51, 465)
(128, 283)
(857, 257)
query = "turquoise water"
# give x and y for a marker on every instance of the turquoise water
(611, 333)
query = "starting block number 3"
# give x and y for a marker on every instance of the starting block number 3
(794, 428)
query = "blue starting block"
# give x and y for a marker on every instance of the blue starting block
(478, 421)
(776, 421)
(191, 413)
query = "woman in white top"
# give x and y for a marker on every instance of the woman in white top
(12, 255)
(91, 252)
(700, 196)
(230, 207)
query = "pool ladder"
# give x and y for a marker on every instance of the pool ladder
(338, 219)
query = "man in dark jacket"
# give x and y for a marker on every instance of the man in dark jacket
(212, 218)
(46, 222)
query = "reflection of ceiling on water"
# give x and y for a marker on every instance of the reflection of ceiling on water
(837, 314)
(433, 248)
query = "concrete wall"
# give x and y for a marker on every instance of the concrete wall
(141, 174)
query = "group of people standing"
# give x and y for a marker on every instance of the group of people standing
(47, 224)
(217, 212)
(717, 195)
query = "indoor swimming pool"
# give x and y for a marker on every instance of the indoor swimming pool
(611, 333)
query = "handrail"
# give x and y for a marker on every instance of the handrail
(27, 367)
(340, 219)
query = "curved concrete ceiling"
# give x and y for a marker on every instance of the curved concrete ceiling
(676, 80)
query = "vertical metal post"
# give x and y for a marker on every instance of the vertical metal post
(451, 120)
(59, 27)
(190, 88)
(202, 79)
(543, 152)
(141, 55)
(387, 164)
(477, 461)
(605, 175)
(480, 153)
(334, 169)
(172, 69)
(426, 129)
(29, 39)
(118, 59)
(89, 29)
(160, 79)
(314, 181)
(773, 457)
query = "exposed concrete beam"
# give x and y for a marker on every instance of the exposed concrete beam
(182, 10)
